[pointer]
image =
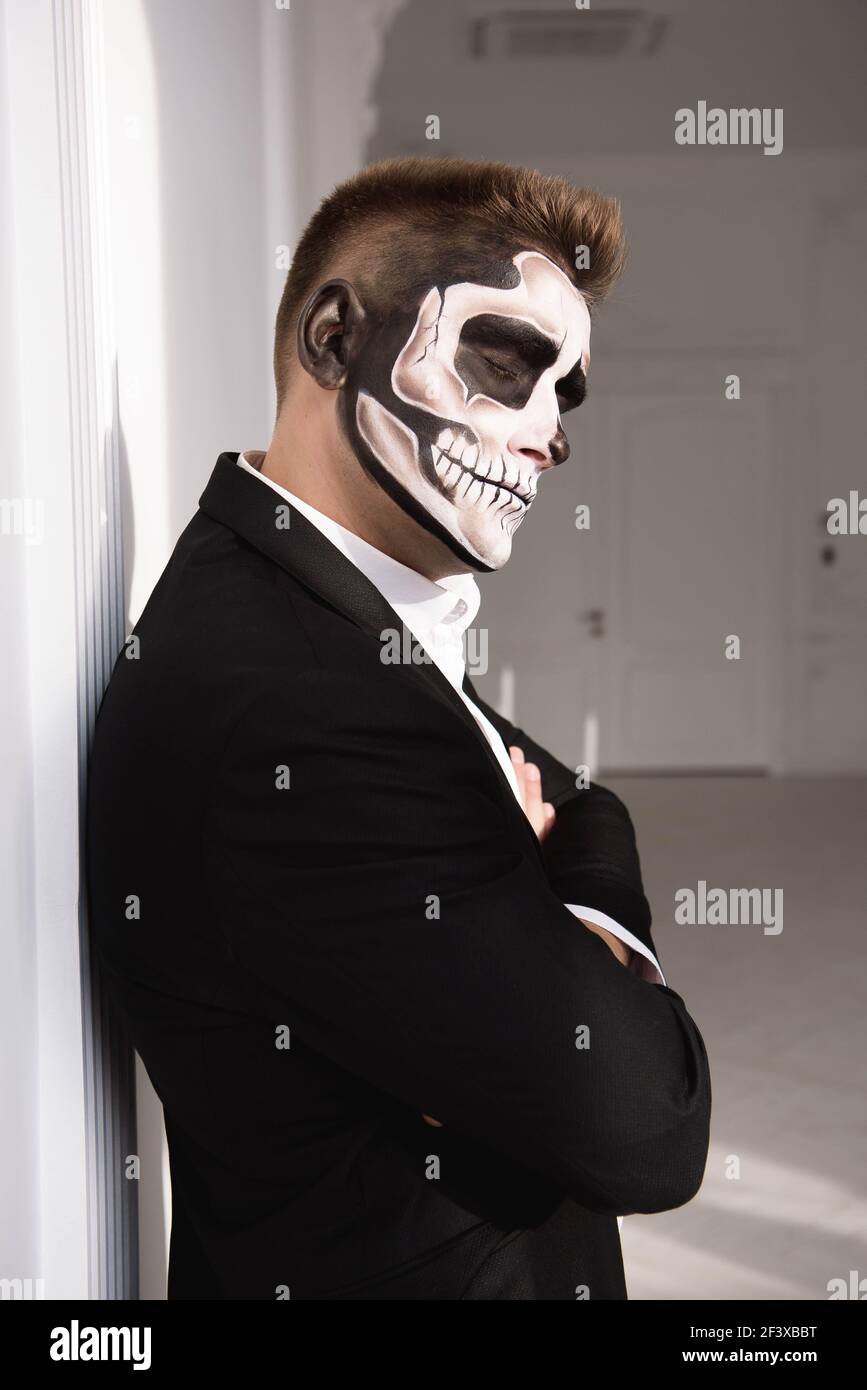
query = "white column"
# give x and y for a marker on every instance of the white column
(68, 460)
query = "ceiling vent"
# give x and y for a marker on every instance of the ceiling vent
(566, 33)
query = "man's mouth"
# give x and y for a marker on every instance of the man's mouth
(489, 486)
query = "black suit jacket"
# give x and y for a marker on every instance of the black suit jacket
(322, 913)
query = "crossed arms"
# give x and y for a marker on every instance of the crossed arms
(386, 907)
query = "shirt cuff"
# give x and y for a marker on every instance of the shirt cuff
(643, 962)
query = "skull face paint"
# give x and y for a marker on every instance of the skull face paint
(455, 410)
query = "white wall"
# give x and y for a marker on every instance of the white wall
(44, 343)
(20, 1253)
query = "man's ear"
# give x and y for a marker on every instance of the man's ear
(331, 328)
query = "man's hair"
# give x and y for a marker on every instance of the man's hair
(386, 228)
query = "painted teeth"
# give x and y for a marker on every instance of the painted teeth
(445, 462)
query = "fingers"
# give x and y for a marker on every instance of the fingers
(539, 813)
(429, 1120)
(533, 797)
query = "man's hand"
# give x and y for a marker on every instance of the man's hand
(620, 949)
(539, 813)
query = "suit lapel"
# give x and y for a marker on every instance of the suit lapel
(239, 501)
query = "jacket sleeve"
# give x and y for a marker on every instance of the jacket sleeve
(374, 898)
(591, 854)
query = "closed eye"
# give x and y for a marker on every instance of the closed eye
(499, 370)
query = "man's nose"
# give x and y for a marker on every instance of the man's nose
(554, 451)
(558, 447)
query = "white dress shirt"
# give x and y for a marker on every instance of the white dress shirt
(438, 614)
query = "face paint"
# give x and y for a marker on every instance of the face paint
(456, 411)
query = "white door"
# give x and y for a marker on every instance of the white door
(685, 563)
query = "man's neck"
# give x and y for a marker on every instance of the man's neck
(369, 513)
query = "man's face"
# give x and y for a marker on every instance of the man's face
(455, 407)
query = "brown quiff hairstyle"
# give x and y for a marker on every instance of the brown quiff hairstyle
(385, 228)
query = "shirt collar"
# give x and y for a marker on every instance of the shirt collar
(422, 603)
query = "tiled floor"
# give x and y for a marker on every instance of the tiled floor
(784, 1019)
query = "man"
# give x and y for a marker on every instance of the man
(394, 984)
